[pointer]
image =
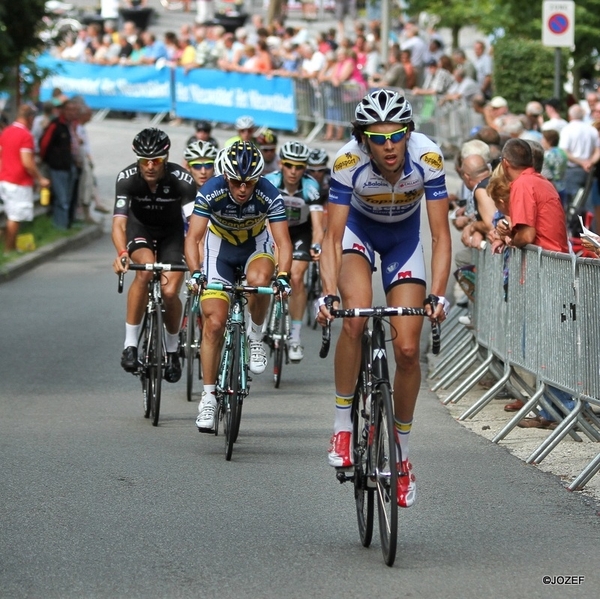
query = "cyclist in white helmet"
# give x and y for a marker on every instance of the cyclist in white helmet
(379, 180)
(304, 211)
(200, 158)
(245, 127)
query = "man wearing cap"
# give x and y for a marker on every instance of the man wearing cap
(203, 133)
(245, 130)
(495, 111)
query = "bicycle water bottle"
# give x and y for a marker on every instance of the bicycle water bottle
(44, 196)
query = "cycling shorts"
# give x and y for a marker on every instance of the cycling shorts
(167, 241)
(221, 258)
(301, 241)
(398, 244)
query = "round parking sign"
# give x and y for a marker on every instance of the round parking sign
(558, 23)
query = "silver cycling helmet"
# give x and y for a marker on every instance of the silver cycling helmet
(219, 161)
(198, 150)
(383, 106)
(242, 161)
(244, 122)
(294, 150)
(318, 157)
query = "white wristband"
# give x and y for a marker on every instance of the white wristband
(321, 301)
(445, 303)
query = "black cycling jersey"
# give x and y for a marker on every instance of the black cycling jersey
(160, 209)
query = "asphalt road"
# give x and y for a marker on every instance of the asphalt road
(98, 503)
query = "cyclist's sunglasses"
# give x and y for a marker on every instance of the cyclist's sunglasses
(198, 166)
(380, 138)
(155, 160)
(317, 169)
(291, 166)
(247, 182)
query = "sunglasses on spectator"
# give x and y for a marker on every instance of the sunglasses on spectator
(198, 166)
(247, 183)
(380, 138)
(291, 166)
(155, 160)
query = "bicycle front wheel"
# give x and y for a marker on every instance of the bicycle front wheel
(231, 416)
(155, 363)
(386, 472)
(363, 493)
(192, 347)
(144, 345)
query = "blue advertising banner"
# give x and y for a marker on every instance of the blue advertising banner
(132, 88)
(222, 96)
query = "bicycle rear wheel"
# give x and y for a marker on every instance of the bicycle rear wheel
(363, 494)
(278, 336)
(386, 472)
(231, 417)
(155, 363)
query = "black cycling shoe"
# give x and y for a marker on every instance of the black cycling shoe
(129, 359)
(173, 367)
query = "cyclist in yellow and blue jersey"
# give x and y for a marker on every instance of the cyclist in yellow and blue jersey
(231, 214)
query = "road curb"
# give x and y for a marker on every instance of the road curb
(31, 259)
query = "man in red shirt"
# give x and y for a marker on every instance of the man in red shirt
(536, 213)
(18, 172)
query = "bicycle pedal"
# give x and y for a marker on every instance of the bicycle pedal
(344, 474)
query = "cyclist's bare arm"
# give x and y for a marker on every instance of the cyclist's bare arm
(281, 236)
(195, 235)
(441, 251)
(331, 256)
(316, 219)
(119, 239)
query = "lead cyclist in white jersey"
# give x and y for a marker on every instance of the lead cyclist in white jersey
(378, 182)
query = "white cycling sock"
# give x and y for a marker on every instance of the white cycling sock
(132, 334)
(210, 392)
(343, 413)
(171, 341)
(295, 331)
(256, 331)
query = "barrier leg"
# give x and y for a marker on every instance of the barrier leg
(585, 475)
(485, 399)
(450, 357)
(458, 370)
(470, 381)
(533, 401)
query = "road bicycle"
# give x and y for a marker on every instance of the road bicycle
(314, 290)
(232, 378)
(375, 470)
(151, 349)
(277, 335)
(190, 338)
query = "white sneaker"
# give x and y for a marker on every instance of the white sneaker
(258, 357)
(295, 352)
(205, 421)
(464, 319)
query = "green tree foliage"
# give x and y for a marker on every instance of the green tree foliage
(523, 71)
(19, 24)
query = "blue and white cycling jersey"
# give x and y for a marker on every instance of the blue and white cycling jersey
(356, 181)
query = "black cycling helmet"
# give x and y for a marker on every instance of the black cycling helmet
(242, 161)
(151, 143)
(318, 157)
(203, 126)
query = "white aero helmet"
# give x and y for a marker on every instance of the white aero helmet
(244, 122)
(219, 161)
(294, 150)
(200, 149)
(383, 106)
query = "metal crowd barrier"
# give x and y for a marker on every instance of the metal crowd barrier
(547, 327)
(321, 103)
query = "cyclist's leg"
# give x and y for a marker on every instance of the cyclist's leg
(297, 302)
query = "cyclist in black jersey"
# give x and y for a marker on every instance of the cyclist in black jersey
(304, 211)
(148, 226)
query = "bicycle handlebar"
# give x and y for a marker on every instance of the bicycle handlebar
(240, 288)
(151, 266)
(378, 311)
